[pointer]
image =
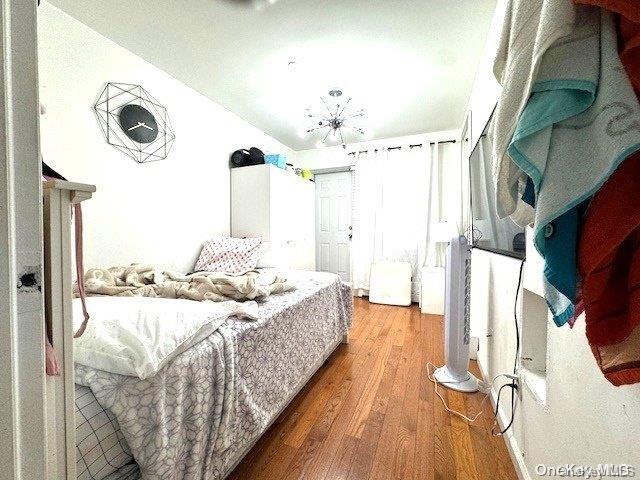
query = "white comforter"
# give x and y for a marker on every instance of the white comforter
(137, 336)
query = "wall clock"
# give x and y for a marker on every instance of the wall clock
(134, 122)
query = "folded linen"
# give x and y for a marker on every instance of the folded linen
(529, 29)
(581, 122)
(138, 336)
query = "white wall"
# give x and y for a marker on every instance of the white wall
(486, 89)
(159, 212)
(570, 413)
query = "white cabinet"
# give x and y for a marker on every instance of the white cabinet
(279, 207)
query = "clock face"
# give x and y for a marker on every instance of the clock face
(138, 123)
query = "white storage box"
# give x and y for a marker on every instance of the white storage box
(390, 283)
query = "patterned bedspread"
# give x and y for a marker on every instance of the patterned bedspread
(194, 417)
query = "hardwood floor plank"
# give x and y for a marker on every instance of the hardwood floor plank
(371, 413)
(361, 371)
(317, 400)
(363, 459)
(347, 454)
(389, 442)
(405, 449)
(365, 404)
(424, 457)
(461, 440)
(444, 458)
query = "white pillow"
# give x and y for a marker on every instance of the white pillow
(229, 255)
(137, 336)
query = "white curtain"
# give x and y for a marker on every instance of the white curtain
(398, 197)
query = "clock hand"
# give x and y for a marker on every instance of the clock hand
(145, 126)
(134, 127)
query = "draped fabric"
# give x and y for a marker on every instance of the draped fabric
(398, 203)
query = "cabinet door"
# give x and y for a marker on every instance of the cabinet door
(304, 226)
(279, 198)
(292, 220)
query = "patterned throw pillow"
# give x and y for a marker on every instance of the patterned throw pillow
(229, 255)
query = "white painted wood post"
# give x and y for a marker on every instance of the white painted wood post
(22, 382)
(60, 391)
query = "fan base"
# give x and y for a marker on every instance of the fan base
(467, 384)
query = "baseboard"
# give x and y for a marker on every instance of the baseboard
(512, 445)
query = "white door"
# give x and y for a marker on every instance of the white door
(333, 223)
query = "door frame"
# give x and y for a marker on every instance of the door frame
(339, 169)
(23, 449)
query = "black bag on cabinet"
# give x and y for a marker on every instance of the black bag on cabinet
(244, 157)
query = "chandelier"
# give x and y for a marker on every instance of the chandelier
(336, 120)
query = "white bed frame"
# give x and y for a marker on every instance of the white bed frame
(58, 256)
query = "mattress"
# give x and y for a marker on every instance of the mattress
(208, 405)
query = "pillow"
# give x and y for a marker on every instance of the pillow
(229, 255)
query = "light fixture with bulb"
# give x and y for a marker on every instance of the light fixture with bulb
(336, 120)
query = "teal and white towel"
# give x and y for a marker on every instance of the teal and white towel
(529, 29)
(581, 121)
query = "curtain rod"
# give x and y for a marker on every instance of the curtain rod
(415, 145)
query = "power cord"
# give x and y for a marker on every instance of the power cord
(483, 386)
(513, 385)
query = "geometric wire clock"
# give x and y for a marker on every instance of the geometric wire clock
(134, 122)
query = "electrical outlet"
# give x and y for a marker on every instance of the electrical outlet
(517, 379)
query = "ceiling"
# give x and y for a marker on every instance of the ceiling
(409, 63)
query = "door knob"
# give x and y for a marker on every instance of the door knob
(350, 236)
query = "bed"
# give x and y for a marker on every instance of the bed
(199, 415)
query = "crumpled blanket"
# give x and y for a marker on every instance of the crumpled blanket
(139, 280)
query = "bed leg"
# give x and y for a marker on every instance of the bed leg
(345, 339)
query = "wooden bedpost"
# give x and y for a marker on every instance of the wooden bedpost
(59, 196)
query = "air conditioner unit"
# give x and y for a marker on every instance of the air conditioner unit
(455, 373)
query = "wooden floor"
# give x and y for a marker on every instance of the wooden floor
(371, 413)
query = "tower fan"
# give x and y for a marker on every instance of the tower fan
(455, 373)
